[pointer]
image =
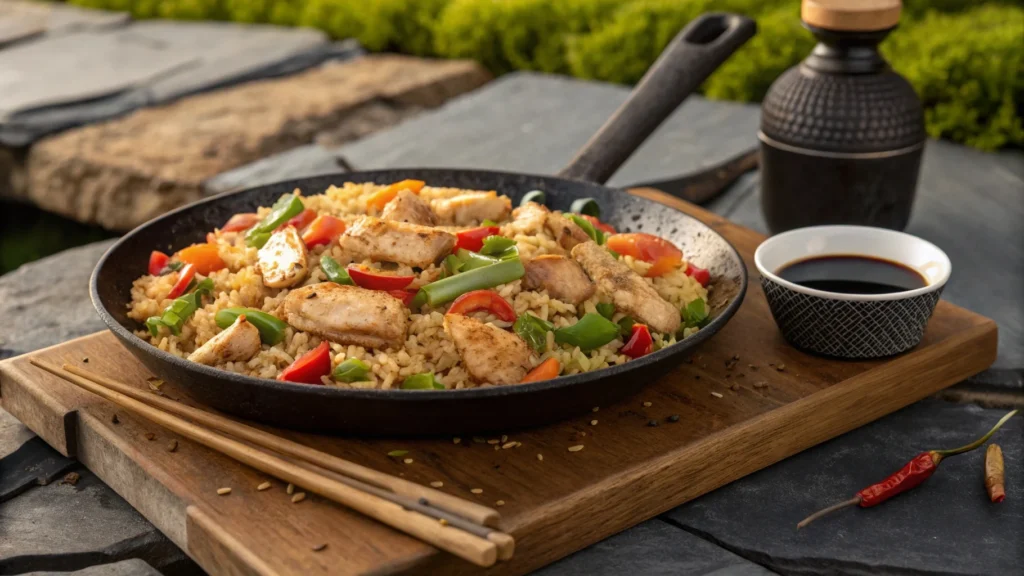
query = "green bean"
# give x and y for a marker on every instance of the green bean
(180, 309)
(496, 245)
(271, 328)
(335, 273)
(533, 196)
(587, 206)
(473, 260)
(595, 234)
(422, 381)
(351, 370)
(289, 205)
(448, 289)
(592, 331)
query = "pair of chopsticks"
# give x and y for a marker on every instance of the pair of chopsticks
(465, 529)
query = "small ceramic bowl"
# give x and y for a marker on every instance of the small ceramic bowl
(851, 325)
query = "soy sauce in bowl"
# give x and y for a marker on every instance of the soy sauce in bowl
(852, 274)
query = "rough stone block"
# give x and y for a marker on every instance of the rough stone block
(121, 173)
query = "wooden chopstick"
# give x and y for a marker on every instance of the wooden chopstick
(457, 506)
(475, 549)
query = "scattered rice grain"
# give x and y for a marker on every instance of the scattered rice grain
(319, 547)
(223, 491)
(264, 486)
(576, 448)
(477, 490)
(499, 503)
(290, 489)
(647, 404)
(437, 484)
(172, 446)
(298, 497)
(716, 394)
(593, 422)
(407, 460)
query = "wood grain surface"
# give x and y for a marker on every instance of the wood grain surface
(851, 15)
(775, 401)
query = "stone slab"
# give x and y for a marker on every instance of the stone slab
(653, 548)
(34, 463)
(64, 527)
(530, 122)
(945, 526)
(47, 302)
(114, 174)
(12, 434)
(95, 74)
(21, 20)
(132, 567)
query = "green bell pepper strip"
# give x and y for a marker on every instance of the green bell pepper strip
(534, 196)
(606, 309)
(351, 370)
(496, 245)
(626, 326)
(422, 381)
(694, 315)
(533, 331)
(473, 260)
(592, 331)
(180, 309)
(488, 222)
(271, 328)
(587, 206)
(335, 273)
(289, 205)
(595, 234)
(448, 289)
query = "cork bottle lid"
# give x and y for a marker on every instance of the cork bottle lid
(851, 15)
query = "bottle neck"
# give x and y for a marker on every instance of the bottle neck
(841, 52)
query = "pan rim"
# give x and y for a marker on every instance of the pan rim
(128, 337)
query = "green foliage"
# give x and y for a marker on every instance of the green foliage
(968, 70)
(963, 58)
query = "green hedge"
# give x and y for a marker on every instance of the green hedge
(965, 60)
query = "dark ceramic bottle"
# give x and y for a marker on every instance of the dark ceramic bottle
(841, 134)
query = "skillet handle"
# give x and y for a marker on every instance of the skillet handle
(688, 60)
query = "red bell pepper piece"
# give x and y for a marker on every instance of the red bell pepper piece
(701, 275)
(606, 228)
(240, 222)
(205, 257)
(405, 296)
(301, 220)
(372, 281)
(484, 300)
(640, 342)
(473, 239)
(157, 262)
(546, 370)
(308, 368)
(323, 230)
(185, 276)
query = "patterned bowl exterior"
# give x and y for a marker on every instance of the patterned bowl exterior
(849, 328)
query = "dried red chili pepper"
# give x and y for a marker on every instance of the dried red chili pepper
(919, 469)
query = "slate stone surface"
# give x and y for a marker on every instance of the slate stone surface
(47, 301)
(34, 463)
(945, 526)
(12, 434)
(308, 160)
(96, 74)
(63, 527)
(133, 567)
(653, 548)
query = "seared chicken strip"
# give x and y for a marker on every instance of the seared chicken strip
(526, 219)
(348, 314)
(565, 231)
(392, 241)
(628, 291)
(408, 207)
(472, 208)
(491, 355)
(237, 342)
(283, 259)
(561, 277)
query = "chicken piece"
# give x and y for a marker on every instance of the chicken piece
(527, 219)
(236, 343)
(561, 277)
(408, 207)
(565, 231)
(472, 208)
(348, 314)
(491, 355)
(283, 259)
(392, 241)
(628, 291)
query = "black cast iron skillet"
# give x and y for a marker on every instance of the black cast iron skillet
(686, 62)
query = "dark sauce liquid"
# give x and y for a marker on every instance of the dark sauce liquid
(852, 274)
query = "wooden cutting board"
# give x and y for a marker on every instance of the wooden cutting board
(736, 416)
